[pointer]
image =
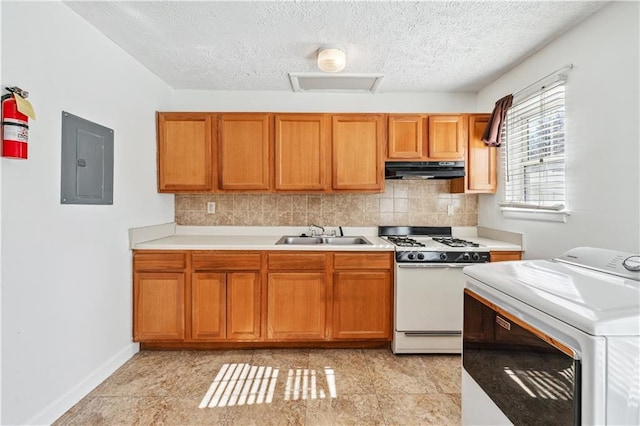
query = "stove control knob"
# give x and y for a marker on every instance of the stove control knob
(443, 256)
(411, 256)
(421, 256)
(466, 256)
(475, 256)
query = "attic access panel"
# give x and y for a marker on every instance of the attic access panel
(323, 82)
(87, 162)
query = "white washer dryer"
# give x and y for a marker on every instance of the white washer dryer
(553, 342)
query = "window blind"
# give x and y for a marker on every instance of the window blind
(534, 136)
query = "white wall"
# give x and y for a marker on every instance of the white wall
(228, 101)
(603, 140)
(66, 280)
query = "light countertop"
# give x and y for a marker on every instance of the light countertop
(174, 237)
(253, 242)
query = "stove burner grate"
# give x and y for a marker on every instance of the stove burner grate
(455, 242)
(405, 241)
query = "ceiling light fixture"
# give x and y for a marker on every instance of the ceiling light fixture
(331, 58)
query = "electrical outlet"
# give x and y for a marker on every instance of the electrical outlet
(450, 210)
(211, 207)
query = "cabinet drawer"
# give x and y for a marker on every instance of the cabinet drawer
(501, 256)
(297, 261)
(143, 261)
(226, 261)
(362, 261)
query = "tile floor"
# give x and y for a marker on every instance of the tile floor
(295, 387)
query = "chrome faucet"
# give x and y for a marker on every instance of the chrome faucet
(313, 231)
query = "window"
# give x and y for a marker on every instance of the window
(534, 139)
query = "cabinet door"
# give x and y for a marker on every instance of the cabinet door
(208, 303)
(243, 152)
(406, 137)
(184, 152)
(243, 306)
(158, 306)
(357, 142)
(296, 306)
(481, 159)
(362, 305)
(446, 137)
(301, 152)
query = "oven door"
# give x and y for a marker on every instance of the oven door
(429, 298)
(528, 375)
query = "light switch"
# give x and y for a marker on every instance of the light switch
(211, 207)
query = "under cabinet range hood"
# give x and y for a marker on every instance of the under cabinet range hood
(423, 169)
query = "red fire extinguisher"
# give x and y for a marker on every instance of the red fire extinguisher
(15, 125)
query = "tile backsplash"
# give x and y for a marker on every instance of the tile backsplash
(403, 203)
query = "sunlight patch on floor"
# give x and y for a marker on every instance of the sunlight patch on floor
(243, 384)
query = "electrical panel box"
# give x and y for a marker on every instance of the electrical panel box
(87, 162)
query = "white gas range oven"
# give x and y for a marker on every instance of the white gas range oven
(428, 287)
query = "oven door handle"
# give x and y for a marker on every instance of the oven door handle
(433, 265)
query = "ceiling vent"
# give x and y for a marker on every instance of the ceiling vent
(322, 82)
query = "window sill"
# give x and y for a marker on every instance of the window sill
(534, 214)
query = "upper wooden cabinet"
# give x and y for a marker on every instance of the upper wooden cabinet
(357, 144)
(446, 137)
(423, 137)
(407, 139)
(261, 152)
(185, 152)
(244, 152)
(481, 165)
(301, 152)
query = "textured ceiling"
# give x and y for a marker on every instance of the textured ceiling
(453, 46)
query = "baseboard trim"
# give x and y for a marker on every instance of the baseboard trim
(61, 405)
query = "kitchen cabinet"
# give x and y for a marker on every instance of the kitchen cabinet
(208, 306)
(481, 162)
(362, 296)
(185, 147)
(228, 298)
(407, 139)
(501, 256)
(158, 296)
(357, 152)
(225, 296)
(301, 152)
(296, 296)
(423, 137)
(244, 152)
(446, 137)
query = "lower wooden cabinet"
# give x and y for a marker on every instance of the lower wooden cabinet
(362, 305)
(243, 306)
(184, 298)
(158, 306)
(225, 296)
(225, 306)
(501, 256)
(208, 306)
(296, 306)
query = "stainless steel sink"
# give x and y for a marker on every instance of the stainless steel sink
(299, 240)
(336, 241)
(345, 241)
